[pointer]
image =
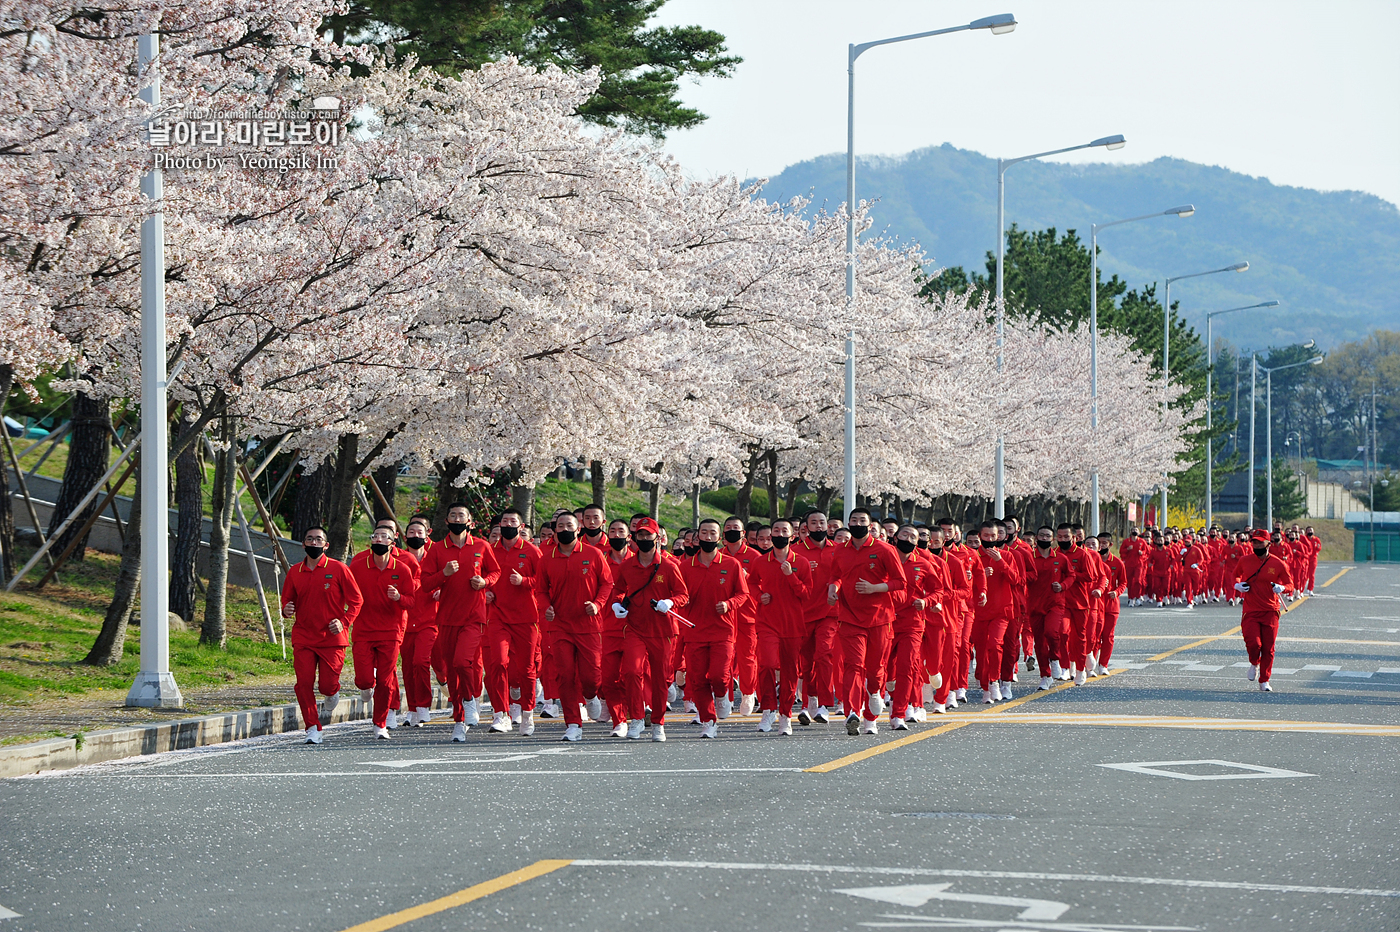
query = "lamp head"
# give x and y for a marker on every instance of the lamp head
(1185, 210)
(1000, 24)
(1316, 360)
(1110, 142)
(1239, 267)
(1310, 344)
(1269, 304)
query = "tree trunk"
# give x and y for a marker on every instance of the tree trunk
(214, 631)
(7, 514)
(343, 497)
(695, 503)
(743, 501)
(313, 498)
(654, 500)
(824, 497)
(387, 478)
(189, 499)
(794, 486)
(599, 482)
(522, 494)
(111, 640)
(622, 477)
(88, 443)
(772, 486)
(447, 471)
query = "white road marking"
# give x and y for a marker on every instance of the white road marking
(1329, 667)
(8, 913)
(920, 893)
(1246, 771)
(1204, 668)
(430, 773)
(1389, 670)
(1353, 674)
(750, 867)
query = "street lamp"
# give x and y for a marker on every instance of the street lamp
(1184, 210)
(1166, 353)
(998, 25)
(1108, 142)
(1210, 401)
(1269, 430)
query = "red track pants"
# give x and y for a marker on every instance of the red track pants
(989, 635)
(307, 662)
(778, 659)
(577, 659)
(461, 648)
(377, 666)
(1260, 630)
(707, 670)
(861, 652)
(510, 652)
(417, 653)
(646, 669)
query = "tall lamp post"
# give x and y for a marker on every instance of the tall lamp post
(1108, 142)
(1269, 431)
(1184, 210)
(1210, 397)
(1166, 355)
(1000, 24)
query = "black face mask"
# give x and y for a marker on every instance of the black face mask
(691, 551)
(817, 536)
(314, 552)
(379, 549)
(989, 545)
(1260, 551)
(709, 545)
(1045, 544)
(456, 527)
(905, 546)
(858, 531)
(592, 531)
(617, 543)
(416, 542)
(933, 549)
(645, 546)
(780, 542)
(565, 537)
(1065, 544)
(733, 536)
(509, 533)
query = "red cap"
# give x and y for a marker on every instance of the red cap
(647, 524)
(1260, 534)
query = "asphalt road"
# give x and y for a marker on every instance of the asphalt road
(1171, 795)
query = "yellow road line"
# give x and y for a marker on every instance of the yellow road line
(393, 920)
(1201, 724)
(1344, 570)
(1177, 650)
(971, 719)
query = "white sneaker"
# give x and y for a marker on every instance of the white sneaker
(940, 708)
(473, 713)
(313, 735)
(421, 716)
(621, 729)
(550, 709)
(1092, 670)
(995, 691)
(459, 732)
(822, 715)
(1045, 682)
(328, 705)
(1006, 690)
(1103, 670)
(1080, 678)
(1266, 687)
(869, 728)
(709, 730)
(367, 696)
(573, 733)
(1253, 671)
(690, 707)
(918, 713)
(382, 733)
(723, 706)
(595, 709)
(673, 695)
(875, 704)
(635, 728)
(953, 700)
(1065, 675)
(500, 723)
(515, 713)
(658, 732)
(392, 721)
(962, 694)
(527, 722)
(746, 704)
(1055, 669)
(765, 724)
(785, 726)
(897, 724)
(853, 725)
(930, 688)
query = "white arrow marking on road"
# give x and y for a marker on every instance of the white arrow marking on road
(400, 764)
(918, 894)
(8, 914)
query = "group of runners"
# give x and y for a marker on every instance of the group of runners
(801, 620)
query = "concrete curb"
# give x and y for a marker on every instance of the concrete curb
(117, 743)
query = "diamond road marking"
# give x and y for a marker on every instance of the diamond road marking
(1179, 663)
(1354, 674)
(1283, 671)
(1246, 771)
(1321, 666)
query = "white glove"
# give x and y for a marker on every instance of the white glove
(1195, 566)
(1241, 587)
(1277, 587)
(663, 605)
(618, 610)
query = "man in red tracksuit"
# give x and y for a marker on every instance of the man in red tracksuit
(1260, 578)
(462, 567)
(863, 574)
(1116, 586)
(1131, 552)
(388, 586)
(1020, 551)
(969, 582)
(780, 580)
(1053, 578)
(745, 632)
(820, 621)
(512, 629)
(1315, 542)
(1159, 566)
(996, 608)
(940, 647)
(718, 589)
(576, 582)
(912, 604)
(322, 597)
(1087, 588)
(1195, 562)
(648, 595)
(612, 689)
(420, 635)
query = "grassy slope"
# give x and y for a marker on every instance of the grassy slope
(552, 494)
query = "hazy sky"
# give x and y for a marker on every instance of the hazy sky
(1302, 93)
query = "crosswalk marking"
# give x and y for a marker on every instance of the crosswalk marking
(1193, 724)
